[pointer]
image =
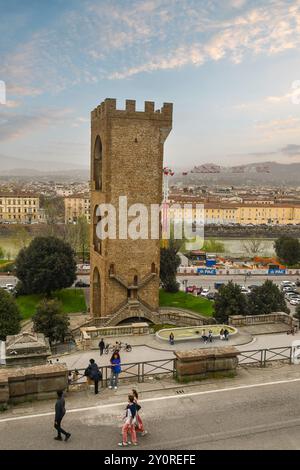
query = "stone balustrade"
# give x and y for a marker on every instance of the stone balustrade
(87, 334)
(276, 317)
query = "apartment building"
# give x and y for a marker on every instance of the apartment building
(77, 206)
(236, 213)
(20, 208)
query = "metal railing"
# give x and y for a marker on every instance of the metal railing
(262, 356)
(138, 371)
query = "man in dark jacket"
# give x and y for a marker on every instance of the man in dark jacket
(60, 412)
(93, 372)
(101, 346)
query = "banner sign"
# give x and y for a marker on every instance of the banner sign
(207, 271)
(277, 272)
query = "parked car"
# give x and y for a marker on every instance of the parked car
(9, 287)
(245, 290)
(205, 292)
(211, 296)
(81, 284)
(288, 289)
(295, 301)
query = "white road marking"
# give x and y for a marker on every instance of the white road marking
(148, 400)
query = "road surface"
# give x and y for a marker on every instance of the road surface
(250, 416)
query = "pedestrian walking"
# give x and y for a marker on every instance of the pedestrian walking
(101, 346)
(115, 370)
(93, 373)
(129, 423)
(226, 334)
(171, 338)
(210, 337)
(139, 422)
(204, 337)
(60, 411)
(222, 334)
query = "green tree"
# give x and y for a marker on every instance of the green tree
(54, 209)
(1, 253)
(266, 299)
(288, 250)
(78, 236)
(10, 316)
(48, 264)
(169, 263)
(230, 301)
(21, 237)
(50, 320)
(213, 246)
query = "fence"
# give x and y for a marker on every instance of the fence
(139, 371)
(260, 357)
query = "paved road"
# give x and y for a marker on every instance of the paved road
(208, 281)
(255, 416)
(204, 281)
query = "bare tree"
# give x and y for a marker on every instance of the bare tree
(253, 246)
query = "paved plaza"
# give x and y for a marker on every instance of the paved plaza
(148, 348)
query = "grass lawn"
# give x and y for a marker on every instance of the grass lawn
(182, 300)
(72, 300)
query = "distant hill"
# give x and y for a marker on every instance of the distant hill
(12, 164)
(279, 174)
(16, 167)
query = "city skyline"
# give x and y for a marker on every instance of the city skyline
(231, 71)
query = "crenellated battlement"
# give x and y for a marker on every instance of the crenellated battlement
(109, 108)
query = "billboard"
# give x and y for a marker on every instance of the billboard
(276, 271)
(207, 271)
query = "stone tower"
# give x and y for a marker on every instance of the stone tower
(126, 160)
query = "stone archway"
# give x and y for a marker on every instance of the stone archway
(96, 293)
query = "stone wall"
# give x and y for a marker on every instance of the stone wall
(31, 383)
(205, 363)
(277, 317)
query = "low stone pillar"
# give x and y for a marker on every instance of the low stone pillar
(36, 382)
(204, 363)
(4, 390)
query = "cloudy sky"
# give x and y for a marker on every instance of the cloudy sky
(231, 68)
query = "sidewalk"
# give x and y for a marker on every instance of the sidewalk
(144, 348)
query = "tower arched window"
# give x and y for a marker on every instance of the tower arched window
(96, 240)
(98, 164)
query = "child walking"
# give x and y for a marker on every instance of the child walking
(139, 422)
(129, 423)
